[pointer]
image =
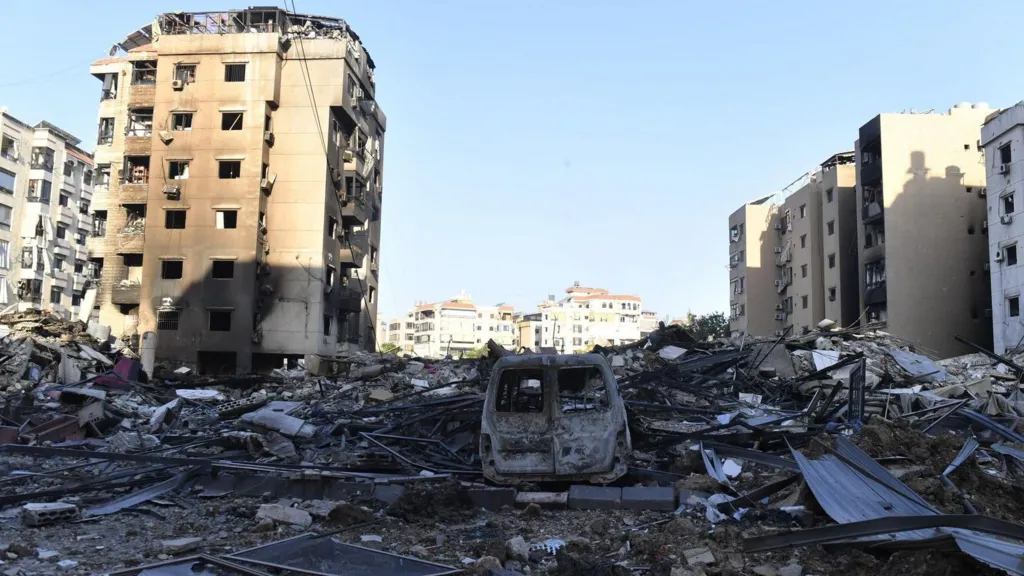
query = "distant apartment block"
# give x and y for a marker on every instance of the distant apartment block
(452, 327)
(792, 263)
(46, 189)
(583, 318)
(1002, 138)
(922, 227)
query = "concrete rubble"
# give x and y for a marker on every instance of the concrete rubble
(106, 469)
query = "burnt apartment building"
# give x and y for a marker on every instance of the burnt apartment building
(239, 157)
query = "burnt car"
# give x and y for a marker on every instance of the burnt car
(550, 417)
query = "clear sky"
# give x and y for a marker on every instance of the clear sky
(532, 143)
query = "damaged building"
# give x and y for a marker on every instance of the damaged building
(240, 155)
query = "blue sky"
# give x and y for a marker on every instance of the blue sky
(533, 143)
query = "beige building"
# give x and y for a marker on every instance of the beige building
(240, 157)
(452, 327)
(922, 228)
(46, 190)
(583, 318)
(792, 263)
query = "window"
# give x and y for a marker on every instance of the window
(1013, 303)
(234, 72)
(167, 320)
(5, 255)
(223, 269)
(79, 266)
(832, 294)
(803, 210)
(831, 226)
(42, 158)
(61, 231)
(220, 320)
(231, 121)
(186, 73)
(9, 148)
(332, 226)
(371, 294)
(1008, 203)
(55, 294)
(327, 325)
(58, 262)
(140, 123)
(831, 260)
(136, 170)
(803, 270)
(144, 72)
(227, 219)
(581, 390)
(76, 299)
(828, 196)
(87, 177)
(64, 199)
(266, 123)
(181, 121)
(174, 219)
(520, 390)
(1005, 156)
(803, 240)
(803, 301)
(99, 224)
(103, 175)
(7, 181)
(230, 169)
(177, 169)
(1010, 254)
(81, 236)
(329, 276)
(69, 168)
(109, 86)
(373, 255)
(171, 269)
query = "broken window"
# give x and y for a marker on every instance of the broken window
(520, 390)
(329, 276)
(39, 191)
(227, 219)
(103, 176)
(223, 269)
(831, 260)
(174, 219)
(62, 231)
(234, 72)
(76, 299)
(734, 233)
(230, 169)
(327, 325)
(171, 269)
(87, 177)
(220, 320)
(140, 123)
(177, 169)
(803, 301)
(231, 121)
(167, 320)
(828, 196)
(7, 181)
(69, 168)
(1008, 203)
(582, 390)
(181, 121)
(831, 227)
(79, 266)
(1010, 254)
(42, 158)
(8, 148)
(136, 170)
(144, 72)
(99, 223)
(185, 73)
(80, 237)
(832, 294)
(874, 274)
(58, 262)
(1005, 155)
(109, 86)
(373, 255)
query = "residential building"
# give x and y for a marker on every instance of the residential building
(46, 187)
(582, 319)
(1002, 139)
(922, 229)
(792, 261)
(453, 327)
(648, 322)
(240, 157)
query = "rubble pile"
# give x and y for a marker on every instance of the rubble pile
(836, 451)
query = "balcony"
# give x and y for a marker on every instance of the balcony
(351, 301)
(872, 212)
(354, 211)
(874, 294)
(351, 256)
(131, 240)
(30, 273)
(126, 292)
(871, 173)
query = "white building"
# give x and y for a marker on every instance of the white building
(585, 317)
(46, 185)
(452, 327)
(1002, 137)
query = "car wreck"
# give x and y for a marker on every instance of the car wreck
(553, 418)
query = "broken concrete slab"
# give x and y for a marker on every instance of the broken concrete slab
(389, 493)
(696, 556)
(548, 500)
(649, 498)
(517, 549)
(179, 545)
(283, 423)
(584, 497)
(284, 515)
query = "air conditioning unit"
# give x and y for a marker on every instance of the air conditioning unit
(267, 184)
(166, 137)
(778, 250)
(778, 306)
(268, 137)
(1004, 168)
(347, 156)
(1006, 218)
(778, 282)
(999, 256)
(177, 85)
(172, 191)
(778, 226)
(780, 316)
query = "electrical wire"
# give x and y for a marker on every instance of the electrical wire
(38, 79)
(306, 75)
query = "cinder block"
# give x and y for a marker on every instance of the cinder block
(42, 513)
(493, 498)
(582, 497)
(649, 498)
(549, 500)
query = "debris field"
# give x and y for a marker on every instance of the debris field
(839, 451)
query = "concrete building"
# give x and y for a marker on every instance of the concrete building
(1002, 139)
(46, 187)
(453, 327)
(794, 263)
(921, 227)
(585, 317)
(240, 159)
(648, 322)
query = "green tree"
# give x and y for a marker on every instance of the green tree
(389, 348)
(713, 325)
(479, 352)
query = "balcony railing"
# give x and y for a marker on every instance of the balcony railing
(108, 94)
(872, 211)
(126, 292)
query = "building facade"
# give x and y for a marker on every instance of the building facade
(922, 227)
(46, 216)
(452, 328)
(583, 318)
(752, 290)
(1002, 139)
(240, 159)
